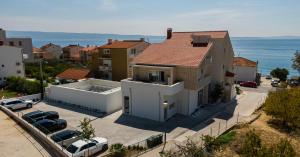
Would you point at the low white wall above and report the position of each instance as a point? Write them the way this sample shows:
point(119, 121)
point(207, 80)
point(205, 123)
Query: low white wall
point(30, 97)
point(245, 73)
point(106, 102)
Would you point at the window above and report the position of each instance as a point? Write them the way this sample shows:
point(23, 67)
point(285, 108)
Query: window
point(4, 78)
point(126, 104)
point(18, 63)
point(11, 43)
point(84, 147)
point(1, 43)
point(106, 51)
point(19, 72)
point(133, 52)
point(2, 65)
point(154, 76)
point(20, 43)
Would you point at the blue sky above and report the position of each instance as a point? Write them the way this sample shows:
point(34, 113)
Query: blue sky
point(152, 17)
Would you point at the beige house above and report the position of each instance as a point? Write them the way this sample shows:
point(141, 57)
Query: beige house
point(245, 70)
point(56, 50)
point(179, 74)
point(72, 53)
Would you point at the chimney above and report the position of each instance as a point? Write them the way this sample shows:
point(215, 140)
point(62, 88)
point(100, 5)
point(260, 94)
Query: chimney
point(169, 33)
point(109, 41)
point(142, 39)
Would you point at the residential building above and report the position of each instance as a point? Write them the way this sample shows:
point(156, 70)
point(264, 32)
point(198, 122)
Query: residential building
point(86, 53)
point(112, 60)
point(72, 53)
point(20, 42)
point(73, 74)
point(11, 62)
point(39, 54)
point(179, 75)
point(245, 69)
point(56, 50)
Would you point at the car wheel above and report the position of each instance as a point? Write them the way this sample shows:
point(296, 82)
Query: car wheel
point(29, 105)
point(105, 147)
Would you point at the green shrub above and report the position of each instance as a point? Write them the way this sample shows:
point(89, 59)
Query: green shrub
point(251, 145)
point(284, 149)
point(19, 84)
point(117, 150)
point(226, 138)
point(238, 90)
point(217, 92)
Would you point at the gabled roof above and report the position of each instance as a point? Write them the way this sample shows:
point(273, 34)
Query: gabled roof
point(122, 44)
point(74, 74)
point(89, 49)
point(48, 45)
point(240, 61)
point(178, 51)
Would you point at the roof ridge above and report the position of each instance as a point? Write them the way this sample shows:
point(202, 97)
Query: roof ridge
point(202, 31)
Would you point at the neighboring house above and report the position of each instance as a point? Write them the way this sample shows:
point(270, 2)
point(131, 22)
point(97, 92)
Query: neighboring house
point(40, 54)
point(112, 60)
point(73, 74)
point(244, 69)
point(11, 62)
point(86, 53)
point(72, 53)
point(24, 43)
point(56, 50)
point(179, 75)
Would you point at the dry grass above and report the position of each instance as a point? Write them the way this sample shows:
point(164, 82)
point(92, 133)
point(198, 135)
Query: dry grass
point(268, 134)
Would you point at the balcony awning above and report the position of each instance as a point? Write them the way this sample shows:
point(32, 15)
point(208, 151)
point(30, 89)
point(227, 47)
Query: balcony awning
point(229, 74)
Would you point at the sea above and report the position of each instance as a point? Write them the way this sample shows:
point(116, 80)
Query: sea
point(270, 52)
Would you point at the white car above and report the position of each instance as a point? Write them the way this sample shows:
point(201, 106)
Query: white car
point(85, 148)
point(14, 104)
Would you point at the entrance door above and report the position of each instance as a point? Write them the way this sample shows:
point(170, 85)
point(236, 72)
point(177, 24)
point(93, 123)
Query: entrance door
point(200, 97)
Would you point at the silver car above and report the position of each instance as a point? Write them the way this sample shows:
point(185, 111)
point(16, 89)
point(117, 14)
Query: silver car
point(14, 104)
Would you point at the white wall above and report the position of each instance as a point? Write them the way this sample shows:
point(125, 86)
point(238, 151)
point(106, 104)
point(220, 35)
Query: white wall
point(9, 57)
point(243, 73)
point(106, 101)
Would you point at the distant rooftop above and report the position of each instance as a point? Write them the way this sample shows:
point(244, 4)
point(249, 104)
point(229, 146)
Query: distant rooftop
point(240, 61)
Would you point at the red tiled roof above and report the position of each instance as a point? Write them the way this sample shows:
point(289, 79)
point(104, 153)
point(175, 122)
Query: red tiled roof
point(178, 50)
point(74, 74)
point(240, 61)
point(47, 46)
point(71, 46)
point(121, 44)
point(36, 50)
point(89, 49)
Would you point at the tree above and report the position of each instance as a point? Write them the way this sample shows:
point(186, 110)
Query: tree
point(87, 130)
point(217, 92)
point(284, 105)
point(280, 73)
point(296, 61)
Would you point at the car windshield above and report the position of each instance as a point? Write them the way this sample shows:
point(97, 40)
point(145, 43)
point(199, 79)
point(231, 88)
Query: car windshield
point(72, 149)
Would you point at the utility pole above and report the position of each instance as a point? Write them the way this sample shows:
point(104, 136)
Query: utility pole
point(41, 80)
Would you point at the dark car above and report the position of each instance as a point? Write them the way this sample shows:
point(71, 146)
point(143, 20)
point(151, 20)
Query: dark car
point(40, 115)
point(48, 126)
point(66, 137)
point(249, 84)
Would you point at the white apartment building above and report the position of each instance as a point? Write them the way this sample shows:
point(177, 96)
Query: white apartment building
point(11, 62)
point(20, 42)
point(178, 75)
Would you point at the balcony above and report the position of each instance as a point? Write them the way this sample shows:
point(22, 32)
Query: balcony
point(105, 68)
point(154, 86)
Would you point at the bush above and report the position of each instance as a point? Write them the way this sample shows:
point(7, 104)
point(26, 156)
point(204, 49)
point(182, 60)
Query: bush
point(284, 105)
point(19, 84)
point(226, 138)
point(238, 90)
point(117, 150)
point(284, 149)
point(251, 145)
point(217, 92)
point(280, 73)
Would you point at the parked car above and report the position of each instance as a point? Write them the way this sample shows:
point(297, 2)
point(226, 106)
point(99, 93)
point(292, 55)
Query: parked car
point(249, 84)
point(48, 126)
point(275, 83)
point(40, 115)
point(14, 104)
point(268, 77)
point(66, 137)
point(88, 147)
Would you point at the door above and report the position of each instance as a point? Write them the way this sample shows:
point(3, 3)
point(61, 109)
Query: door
point(165, 113)
point(200, 97)
point(162, 76)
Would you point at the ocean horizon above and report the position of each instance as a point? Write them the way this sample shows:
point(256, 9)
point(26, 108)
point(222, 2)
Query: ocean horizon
point(270, 52)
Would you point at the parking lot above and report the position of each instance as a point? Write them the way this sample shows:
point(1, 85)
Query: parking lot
point(116, 127)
